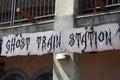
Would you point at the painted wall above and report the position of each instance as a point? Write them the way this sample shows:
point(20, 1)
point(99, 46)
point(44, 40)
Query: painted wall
point(100, 18)
point(27, 28)
point(100, 66)
point(28, 64)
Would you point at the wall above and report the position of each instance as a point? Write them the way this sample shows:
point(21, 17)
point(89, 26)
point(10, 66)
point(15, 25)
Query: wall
point(28, 64)
point(27, 28)
point(100, 18)
point(100, 66)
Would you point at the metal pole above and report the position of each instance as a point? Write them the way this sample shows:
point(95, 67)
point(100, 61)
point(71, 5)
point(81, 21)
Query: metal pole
point(80, 5)
point(13, 12)
point(94, 12)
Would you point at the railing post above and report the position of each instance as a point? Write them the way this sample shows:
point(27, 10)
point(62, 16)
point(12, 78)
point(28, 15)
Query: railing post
point(13, 12)
point(80, 6)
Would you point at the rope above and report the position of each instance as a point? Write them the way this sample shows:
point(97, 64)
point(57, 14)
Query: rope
point(94, 12)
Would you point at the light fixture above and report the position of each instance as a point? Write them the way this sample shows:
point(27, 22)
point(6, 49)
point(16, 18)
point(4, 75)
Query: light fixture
point(61, 56)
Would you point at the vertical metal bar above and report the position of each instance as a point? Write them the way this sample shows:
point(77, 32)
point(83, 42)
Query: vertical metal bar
point(80, 6)
point(9, 9)
point(48, 6)
point(11, 20)
point(29, 6)
point(1, 11)
point(18, 6)
point(2, 1)
point(40, 7)
point(13, 12)
point(22, 7)
point(94, 12)
point(116, 1)
point(52, 6)
point(6, 11)
point(32, 5)
point(36, 8)
point(44, 7)
point(25, 3)
point(112, 1)
point(91, 4)
point(86, 4)
point(106, 2)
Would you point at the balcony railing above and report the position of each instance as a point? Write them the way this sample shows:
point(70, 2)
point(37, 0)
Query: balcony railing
point(40, 9)
point(88, 5)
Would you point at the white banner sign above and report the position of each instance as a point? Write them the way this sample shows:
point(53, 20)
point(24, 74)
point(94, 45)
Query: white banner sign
point(103, 37)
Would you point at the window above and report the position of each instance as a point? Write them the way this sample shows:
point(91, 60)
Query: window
point(15, 75)
point(43, 75)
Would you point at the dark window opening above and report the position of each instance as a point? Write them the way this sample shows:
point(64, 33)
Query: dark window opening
point(43, 75)
point(15, 75)
point(46, 76)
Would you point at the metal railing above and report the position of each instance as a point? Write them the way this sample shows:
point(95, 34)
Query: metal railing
point(40, 9)
point(88, 5)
